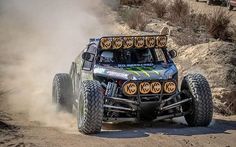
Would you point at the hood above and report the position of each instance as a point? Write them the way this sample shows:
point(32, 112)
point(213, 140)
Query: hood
point(136, 73)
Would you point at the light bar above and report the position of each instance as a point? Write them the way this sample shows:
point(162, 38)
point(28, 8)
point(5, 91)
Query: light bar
point(136, 42)
point(128, 42)
point(117, 43)
point(105, 43)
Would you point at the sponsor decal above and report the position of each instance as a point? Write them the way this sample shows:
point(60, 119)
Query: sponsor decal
point(169, 87)
point(144, 87)
point(139, 42)
point(133, 71)
point(161, 41)
point(135, 65)
point(117, 43)
point(155, 87)
point(142, 70)
point(105, 43)
point(150, 42)
point(156, 72)
point(130, 88)
point(128, 42)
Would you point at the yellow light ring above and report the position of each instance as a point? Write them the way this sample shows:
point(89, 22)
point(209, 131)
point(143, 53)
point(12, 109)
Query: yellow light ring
point(139, 42)
point(117, 43)
point(155, 87)
point(128, 42)
point(105, 43)
point(150, 42)
point(161, 41)
point(144, 87)
point(170, 87)
point(130, 88)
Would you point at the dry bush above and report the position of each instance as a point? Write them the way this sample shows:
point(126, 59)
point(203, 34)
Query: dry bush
point(219, 25)
point(134, 19)
point(178, 10)
point(132, 2)
point(159, 7)
point(188, 36)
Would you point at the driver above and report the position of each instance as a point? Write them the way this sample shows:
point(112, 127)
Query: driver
point(106, 57)
point(143, 56)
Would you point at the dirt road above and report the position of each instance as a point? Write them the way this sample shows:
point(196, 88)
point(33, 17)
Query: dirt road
point(202, 7)
point(221, 133)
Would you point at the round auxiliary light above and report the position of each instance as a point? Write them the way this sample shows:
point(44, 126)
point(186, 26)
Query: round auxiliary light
point(139, 42)
point(130, 88)
point(161, 41)
point(169, 87)
point(144, 87)
point(105, 43)
point(150, 42)
point(156, 87)
point(117, 43)
point(128, 42)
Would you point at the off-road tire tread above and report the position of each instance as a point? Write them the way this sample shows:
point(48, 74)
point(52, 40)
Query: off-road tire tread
point(202, 105)
point(63, 83)
point(93, 103)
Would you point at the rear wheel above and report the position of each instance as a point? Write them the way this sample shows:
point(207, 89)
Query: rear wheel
point(201, 106)
point(90, 108)
point(62, 94)
point(209, 2)
point(229, 6)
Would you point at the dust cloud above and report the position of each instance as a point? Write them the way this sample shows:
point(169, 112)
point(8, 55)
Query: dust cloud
point(39, 39)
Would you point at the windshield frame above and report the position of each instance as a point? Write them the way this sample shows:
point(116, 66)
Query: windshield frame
point(152, 50)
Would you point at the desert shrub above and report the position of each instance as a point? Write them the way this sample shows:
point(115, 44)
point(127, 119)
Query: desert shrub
point(159, 7)
point(219, 24)
point(178, 10)
point(188, 36)
point(132, 2)
point(134, 18)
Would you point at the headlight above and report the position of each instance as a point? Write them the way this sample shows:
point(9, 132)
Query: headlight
point(105, 43)
point(130, 88)
point(150, 42)
point(128, 42)
point(144, 87)
point(139, 42)
point(155, 87)
point(161, 41)
point(169, 87)
point(117, 43)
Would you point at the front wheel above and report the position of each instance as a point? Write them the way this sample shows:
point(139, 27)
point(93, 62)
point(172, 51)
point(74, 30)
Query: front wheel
point(201, 106)
point(90, 107)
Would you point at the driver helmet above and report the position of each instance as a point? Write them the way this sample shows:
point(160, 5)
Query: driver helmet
point(106, 57)
point(144, 56)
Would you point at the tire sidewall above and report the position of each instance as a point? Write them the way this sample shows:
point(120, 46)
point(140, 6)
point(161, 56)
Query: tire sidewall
point(201, 106)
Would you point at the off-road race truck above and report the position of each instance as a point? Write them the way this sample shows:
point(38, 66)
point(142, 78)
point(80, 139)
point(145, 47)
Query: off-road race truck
point(130, 78)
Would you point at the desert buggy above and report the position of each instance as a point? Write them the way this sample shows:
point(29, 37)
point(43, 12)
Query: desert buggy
point(130, 78)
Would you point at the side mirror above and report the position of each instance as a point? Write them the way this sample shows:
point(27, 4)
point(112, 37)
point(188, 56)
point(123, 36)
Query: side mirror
point(173, 53)
point(88, 56)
